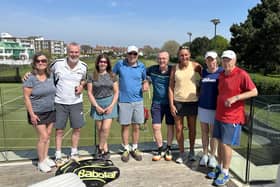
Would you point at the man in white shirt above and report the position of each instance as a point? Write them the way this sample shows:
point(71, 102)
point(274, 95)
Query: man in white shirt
point(70, 78)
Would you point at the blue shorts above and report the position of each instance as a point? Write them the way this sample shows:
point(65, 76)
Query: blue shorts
point(158, 111)
point(227, 133)
point(131, 113)
point(104, 102)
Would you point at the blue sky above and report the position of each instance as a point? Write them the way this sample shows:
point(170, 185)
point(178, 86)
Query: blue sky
point(121, 22)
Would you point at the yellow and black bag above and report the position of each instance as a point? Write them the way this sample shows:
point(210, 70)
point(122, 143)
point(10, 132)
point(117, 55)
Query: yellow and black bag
point(93, 172)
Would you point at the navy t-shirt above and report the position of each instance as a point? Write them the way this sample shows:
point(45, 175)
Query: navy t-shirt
point(209, 89)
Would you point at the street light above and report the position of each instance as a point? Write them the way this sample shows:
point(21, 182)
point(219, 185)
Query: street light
point(190, 37)
point(215, 21)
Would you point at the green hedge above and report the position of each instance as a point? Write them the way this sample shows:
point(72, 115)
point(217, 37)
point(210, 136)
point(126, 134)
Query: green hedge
point(266, 85)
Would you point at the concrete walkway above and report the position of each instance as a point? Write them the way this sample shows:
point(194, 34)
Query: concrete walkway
point(134, 173)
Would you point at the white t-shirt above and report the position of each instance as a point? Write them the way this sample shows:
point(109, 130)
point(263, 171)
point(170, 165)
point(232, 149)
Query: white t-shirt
point(66, 79)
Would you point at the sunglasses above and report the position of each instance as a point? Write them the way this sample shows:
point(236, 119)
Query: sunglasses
point(183, 47)
point(43, 61)
point(103, 61)
point(131, 53)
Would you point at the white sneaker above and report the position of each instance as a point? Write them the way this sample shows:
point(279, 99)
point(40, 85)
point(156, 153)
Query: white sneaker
point(43, 167)
point(50, 162)
point(204, 160)
point(212, 162)
point(74, 156)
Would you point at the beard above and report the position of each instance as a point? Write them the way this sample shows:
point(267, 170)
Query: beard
point(73, 60)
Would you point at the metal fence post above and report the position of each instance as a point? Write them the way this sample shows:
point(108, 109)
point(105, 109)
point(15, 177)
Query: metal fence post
point(249, 143)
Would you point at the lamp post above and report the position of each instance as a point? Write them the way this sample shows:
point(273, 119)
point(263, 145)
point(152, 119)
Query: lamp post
point(215, 21)
point(190, 37)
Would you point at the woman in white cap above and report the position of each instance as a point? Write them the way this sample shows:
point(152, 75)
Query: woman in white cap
point(207, 107)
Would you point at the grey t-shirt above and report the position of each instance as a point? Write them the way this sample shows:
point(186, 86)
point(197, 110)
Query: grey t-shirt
point(42, 95)
point(103, 87)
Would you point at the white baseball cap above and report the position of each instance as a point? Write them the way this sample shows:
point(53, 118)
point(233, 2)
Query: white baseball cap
point(229, 54)
point(211, 54)
point(132, 48)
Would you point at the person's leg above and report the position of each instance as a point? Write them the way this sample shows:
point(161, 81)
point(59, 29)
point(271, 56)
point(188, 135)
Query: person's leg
point(76, 121)
point(42, 141)
point(179, 133)
point(105, 131)
point(204, 137)
point(213, 142)
point(170, 134)
point(98, 124)
point(157, 134)
point(135, 133)
point(75, 138)
point(49, 132)
point(62, 114)
point(192, 130)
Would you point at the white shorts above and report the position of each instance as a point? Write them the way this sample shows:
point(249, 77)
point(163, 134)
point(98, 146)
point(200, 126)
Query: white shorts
point(206, 115)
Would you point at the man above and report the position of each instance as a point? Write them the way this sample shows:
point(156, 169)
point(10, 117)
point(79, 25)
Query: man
point(234, 87)
point(132, 83)
point(70, 79)
point(159, 76)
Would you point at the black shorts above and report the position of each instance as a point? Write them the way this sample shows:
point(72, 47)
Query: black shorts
point(186, 108)
point(45, 117)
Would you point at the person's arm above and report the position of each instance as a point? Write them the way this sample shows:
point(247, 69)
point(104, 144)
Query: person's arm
point(109, 109)
point(26, 94)
point(92, 100)
point(145, 82)
point(242, 96)
point(171, 91)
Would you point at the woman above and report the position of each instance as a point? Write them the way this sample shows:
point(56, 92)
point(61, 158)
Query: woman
point(207, 107)
point(103, 94)
point(183, 99)
point(39, 91)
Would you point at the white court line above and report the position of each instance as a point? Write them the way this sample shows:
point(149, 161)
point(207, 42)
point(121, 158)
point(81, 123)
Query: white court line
point(9, 90)
point(12, 100)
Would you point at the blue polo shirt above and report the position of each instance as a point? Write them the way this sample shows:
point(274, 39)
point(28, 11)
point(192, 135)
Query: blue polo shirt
point(130, 80)
point(160, 83)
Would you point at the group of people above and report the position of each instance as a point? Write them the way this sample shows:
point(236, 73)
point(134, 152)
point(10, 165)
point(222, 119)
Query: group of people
point(53, 93)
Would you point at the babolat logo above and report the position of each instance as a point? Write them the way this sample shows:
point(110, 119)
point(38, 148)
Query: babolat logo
point(83, 173)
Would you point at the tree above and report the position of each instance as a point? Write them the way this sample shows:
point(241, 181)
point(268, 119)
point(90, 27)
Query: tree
point(171, 47)
point(219, 44)
point(257, 40)
point(199, 46)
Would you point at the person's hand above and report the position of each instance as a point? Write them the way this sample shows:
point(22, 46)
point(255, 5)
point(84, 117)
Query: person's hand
point(109, 109)
point(173, 110)
point(145, 86)
point(25, 76)
point(34, 119)
point(99, 110)
point(231, 100)
point(79, 89)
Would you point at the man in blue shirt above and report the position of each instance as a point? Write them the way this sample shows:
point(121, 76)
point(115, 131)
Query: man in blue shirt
point(132, 83)
point(159, 76)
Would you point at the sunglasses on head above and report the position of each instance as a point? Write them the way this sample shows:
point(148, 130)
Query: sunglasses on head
point(43, 61)
point(133, 53)
point(183, 47)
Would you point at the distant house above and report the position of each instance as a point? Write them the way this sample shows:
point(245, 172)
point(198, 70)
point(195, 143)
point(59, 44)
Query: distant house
point(14, 50)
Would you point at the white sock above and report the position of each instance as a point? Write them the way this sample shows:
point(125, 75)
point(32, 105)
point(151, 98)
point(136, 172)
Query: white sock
point(74, 151)
point(225, 171)
point(126, 147)
point(58, 154)
point(134, 146)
